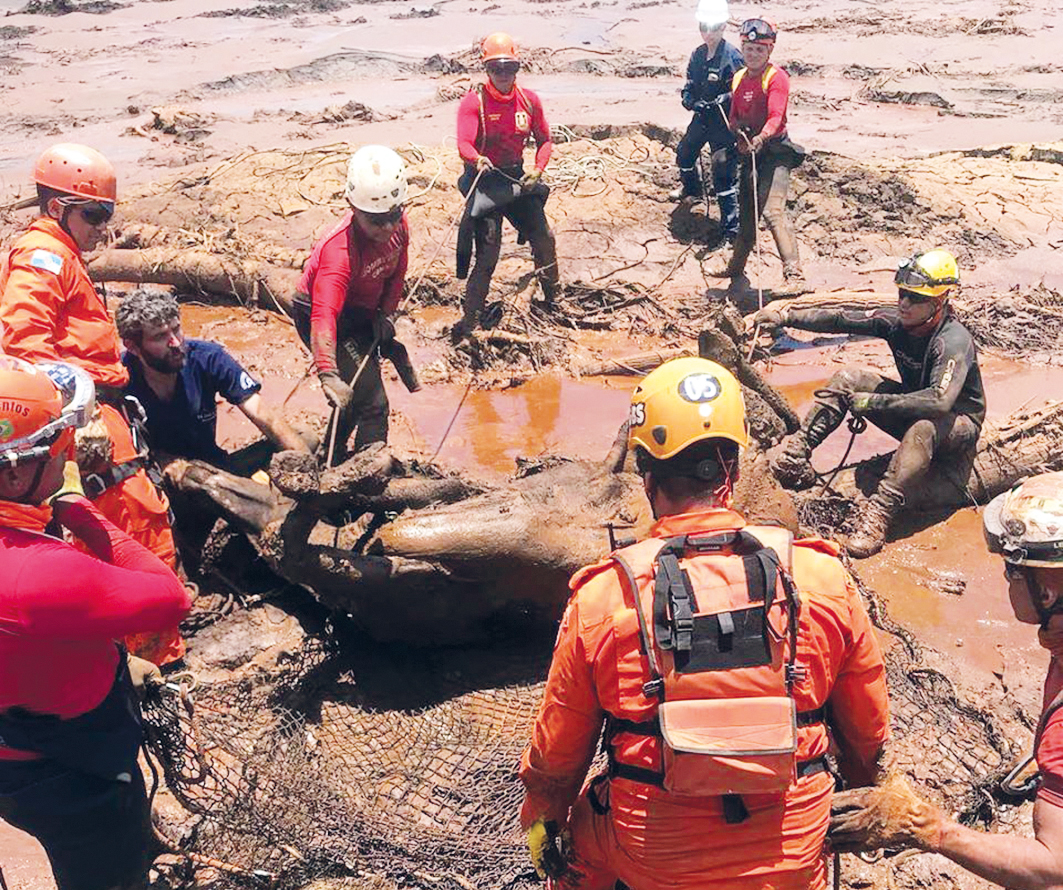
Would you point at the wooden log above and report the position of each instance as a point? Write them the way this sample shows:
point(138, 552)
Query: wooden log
point(834, 300)
point(1023, 444)
point(631, 365)
point(252, 283)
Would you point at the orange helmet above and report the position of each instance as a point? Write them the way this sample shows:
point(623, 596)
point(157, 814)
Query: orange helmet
point(40, 406)
point(498, 46)
point(76, 170)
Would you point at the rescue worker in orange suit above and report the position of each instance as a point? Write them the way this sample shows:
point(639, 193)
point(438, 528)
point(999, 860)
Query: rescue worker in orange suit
point(494, 121)
point(351, 286)
point(711, 653)
point(1025, 526)
point(69, 721)
point(935, 410)
point(760, 95)
point(51, 311)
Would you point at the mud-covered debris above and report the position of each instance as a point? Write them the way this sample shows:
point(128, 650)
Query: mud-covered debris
point(337, 114)
point(952, 583)
point(12, 32)
point(280, 10)
point(65, 7)
point(417, 12)
point(1022, 323)
point(903, 97)
point(187, 126)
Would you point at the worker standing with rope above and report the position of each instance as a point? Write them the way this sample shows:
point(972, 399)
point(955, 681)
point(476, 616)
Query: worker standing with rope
point(1025, 526)
point(69, 720)
point(760, 95)
point(936, 409)
point(707, 93)
point(495, 119)
point(712, 654)
point(351, 286)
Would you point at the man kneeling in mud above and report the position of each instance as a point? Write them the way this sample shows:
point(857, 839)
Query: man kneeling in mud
point(936, 409)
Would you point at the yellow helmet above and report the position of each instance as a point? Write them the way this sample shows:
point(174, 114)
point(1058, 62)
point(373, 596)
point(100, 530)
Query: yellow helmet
point(685, 401)
point(932, 274)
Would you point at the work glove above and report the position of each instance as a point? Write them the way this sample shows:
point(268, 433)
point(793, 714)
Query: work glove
point(484, 163)
point(143, 673)
point(71, 483)
point(383, 328)
point(545, 847)
point(688, 101)
point(702, 107)
point(93, 447)
point(337, 391)
point(888, 815)
point(860, 402)
point(770, 319)
point(750, 144)
point(531, 179)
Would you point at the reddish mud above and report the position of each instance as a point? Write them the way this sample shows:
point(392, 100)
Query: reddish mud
point(23, 862)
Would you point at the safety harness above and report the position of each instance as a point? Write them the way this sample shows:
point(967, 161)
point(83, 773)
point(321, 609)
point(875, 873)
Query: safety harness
point(716, 742)
point(95, 484)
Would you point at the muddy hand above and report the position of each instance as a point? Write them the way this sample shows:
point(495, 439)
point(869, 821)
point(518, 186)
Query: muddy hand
point(888, 815)
point(770, 320)
point(338, 393)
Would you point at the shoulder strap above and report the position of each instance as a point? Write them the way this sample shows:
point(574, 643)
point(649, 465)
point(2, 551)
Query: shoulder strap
point(737, 79)
point(1047, 715)
point(768, 76)
point(655, 687)
point(481, 139)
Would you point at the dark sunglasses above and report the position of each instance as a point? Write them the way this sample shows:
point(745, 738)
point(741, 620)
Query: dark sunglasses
point(96, 214)
point(388, 218)
point(502, 66)
point(757, 29)
point(912, 297)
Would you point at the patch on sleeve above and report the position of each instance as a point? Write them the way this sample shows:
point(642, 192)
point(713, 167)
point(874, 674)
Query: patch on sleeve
point(45, 259)
point(247, 381)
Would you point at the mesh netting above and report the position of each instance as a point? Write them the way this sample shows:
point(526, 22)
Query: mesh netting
point(399, 766)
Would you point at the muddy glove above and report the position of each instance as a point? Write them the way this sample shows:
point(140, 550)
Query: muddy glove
point(889, 815)
point(544, 845)
point(531, 179)
point(702, 107)
point(484, 163)
point(860, 402)
point(143, 673)
point(93, 446)
point(383, 328)
point(770, 319)
point(338, 393)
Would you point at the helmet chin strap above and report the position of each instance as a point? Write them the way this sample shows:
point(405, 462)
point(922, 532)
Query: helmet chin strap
point(25, 497)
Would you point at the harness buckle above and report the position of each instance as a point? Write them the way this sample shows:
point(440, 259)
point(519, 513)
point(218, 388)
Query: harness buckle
point(94, 485)
point(796, 673)
point(653, 688)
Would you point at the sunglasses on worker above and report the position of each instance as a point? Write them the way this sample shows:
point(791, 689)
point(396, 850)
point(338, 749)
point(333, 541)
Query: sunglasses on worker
point(387, 218)
point(502, 66)
point(912, 297)
point(757, 29)
point(96, 213)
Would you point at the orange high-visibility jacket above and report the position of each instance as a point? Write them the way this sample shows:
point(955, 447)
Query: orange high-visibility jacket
point(598, 671)
point(50, 310)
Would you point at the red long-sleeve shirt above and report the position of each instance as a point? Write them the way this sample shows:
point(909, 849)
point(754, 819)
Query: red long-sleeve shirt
point(497, 125)
point(349, 269)
point(61, 611)
point(758, 104)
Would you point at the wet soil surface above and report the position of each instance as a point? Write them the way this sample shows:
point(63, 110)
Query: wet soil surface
point(925, 123)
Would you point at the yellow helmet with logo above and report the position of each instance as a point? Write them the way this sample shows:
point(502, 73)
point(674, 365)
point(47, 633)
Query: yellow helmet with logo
point(684, 401)
point(932, 274)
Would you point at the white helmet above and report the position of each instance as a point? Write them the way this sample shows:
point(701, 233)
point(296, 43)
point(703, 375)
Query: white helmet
point(376, 179)
point(712, 13)
point(1025, 524)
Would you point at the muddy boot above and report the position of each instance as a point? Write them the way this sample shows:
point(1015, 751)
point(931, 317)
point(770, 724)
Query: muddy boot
point(793, 468)
point(875, 522)
point(691, 188)
point(794, 284)
point(544, 251)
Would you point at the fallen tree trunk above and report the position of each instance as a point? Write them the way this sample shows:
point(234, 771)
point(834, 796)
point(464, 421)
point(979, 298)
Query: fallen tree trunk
point(252, 283)
point(631, 365)
point(1023, 444)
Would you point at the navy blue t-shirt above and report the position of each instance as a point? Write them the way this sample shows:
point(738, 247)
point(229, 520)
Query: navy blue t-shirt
point(187, 426)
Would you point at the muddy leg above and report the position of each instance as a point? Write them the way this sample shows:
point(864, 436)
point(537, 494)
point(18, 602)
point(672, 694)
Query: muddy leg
point(369, 407)
point(488, 247)
point(544, 251)
point(776, 182)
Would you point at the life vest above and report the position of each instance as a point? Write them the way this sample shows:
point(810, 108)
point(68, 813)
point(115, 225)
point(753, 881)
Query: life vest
point(722, 658)
point(766, 77)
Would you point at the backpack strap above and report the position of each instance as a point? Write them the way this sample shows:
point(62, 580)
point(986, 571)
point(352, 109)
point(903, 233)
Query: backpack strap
point(654, 688)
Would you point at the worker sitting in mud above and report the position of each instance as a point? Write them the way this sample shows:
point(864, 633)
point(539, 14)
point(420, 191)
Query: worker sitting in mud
point(707, 93)
point(760, 94)
point(351, 285)
point(494, 121)
point(178, 380)
point(685, 644)
point(69, 721)
point(1025, 526)
point(50, 311)
point(936, 409)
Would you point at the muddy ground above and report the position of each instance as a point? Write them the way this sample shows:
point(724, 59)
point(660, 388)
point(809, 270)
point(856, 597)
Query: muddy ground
point(925, 123)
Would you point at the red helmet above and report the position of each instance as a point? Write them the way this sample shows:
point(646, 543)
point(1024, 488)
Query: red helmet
point(759, 30)
point(40, 406)
point(498, 46)
point(76, 170)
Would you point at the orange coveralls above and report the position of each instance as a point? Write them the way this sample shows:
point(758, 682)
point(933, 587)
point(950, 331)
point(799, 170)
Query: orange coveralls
point(50, 311)
point(647, 837)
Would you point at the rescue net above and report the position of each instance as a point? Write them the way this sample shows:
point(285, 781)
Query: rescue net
point(398, 767)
